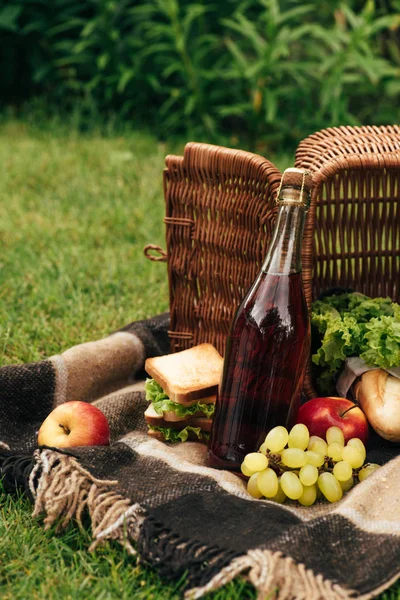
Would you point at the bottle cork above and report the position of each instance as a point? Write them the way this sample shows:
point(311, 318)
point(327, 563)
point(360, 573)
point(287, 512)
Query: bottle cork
point(295, 187)
point(297, 178)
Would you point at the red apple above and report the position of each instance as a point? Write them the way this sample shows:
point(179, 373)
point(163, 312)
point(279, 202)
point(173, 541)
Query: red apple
point(74, 424)
point(321, 413)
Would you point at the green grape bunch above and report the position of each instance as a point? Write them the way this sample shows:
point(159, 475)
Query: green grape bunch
point(299, 467)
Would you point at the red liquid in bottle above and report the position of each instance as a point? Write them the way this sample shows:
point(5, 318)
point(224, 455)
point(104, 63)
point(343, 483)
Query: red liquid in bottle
point(264, 367)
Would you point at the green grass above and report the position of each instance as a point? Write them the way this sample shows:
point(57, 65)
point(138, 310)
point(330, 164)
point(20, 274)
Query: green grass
point(76, 213)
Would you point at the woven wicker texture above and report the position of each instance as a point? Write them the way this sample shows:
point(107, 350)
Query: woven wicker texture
point(328, 144)
point(352, 235)
point(354, 223)
point(219, 216)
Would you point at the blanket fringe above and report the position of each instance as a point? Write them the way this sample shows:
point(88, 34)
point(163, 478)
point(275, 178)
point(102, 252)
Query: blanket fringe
point(275, 577)
point(62, 489)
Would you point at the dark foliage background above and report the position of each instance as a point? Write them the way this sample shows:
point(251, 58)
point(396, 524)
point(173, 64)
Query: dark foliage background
point(269, 71)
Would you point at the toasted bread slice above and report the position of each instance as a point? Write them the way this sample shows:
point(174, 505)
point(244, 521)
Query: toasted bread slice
point(209, 400)
point(189, 375)
point(158, 435)
point(152, 418)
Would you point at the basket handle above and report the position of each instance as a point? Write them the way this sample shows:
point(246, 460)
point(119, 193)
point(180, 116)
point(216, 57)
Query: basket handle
point(163, 255)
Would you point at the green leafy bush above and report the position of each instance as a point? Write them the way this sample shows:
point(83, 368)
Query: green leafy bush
point(272, 71)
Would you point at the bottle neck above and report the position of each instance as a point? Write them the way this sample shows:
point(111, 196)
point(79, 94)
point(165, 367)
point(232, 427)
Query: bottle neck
point(284, 253)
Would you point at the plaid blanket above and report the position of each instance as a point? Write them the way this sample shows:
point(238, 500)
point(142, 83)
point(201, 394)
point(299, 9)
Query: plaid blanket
point(161, 501)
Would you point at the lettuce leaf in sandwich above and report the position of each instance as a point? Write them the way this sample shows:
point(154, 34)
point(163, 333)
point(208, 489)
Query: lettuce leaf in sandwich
point(162, 403)
point(180, 435)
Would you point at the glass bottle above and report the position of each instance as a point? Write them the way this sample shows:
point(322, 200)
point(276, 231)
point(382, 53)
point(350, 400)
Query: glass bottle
point(268, 344)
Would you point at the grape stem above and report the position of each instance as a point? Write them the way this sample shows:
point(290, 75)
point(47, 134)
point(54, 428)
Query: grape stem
point(327, 466)
point(356, 471)
point(275, 463)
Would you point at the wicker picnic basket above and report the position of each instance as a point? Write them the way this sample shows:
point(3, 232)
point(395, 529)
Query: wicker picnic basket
point(353, 227)
point(220, 209)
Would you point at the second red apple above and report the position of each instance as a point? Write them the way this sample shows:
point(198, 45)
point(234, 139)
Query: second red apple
point(319, 414)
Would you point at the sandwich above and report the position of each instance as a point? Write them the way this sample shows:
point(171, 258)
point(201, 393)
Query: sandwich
point(182, 393)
